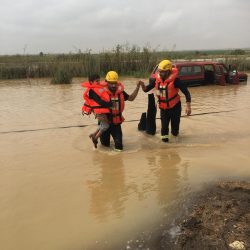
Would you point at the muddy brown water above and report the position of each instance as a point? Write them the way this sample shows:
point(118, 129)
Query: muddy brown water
point(57, 192)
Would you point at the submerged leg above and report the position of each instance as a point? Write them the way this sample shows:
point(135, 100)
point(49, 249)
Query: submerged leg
point(165, 119)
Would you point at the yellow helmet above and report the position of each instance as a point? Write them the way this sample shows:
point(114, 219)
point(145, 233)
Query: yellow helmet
point(165, 65)
point(111, 76)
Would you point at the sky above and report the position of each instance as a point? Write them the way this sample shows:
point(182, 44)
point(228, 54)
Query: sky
point(53, 26)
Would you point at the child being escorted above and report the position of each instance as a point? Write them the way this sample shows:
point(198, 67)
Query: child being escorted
point(97, 101)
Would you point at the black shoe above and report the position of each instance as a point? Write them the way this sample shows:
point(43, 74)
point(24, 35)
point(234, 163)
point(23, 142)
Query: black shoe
point(165, 140)
point(142, 123)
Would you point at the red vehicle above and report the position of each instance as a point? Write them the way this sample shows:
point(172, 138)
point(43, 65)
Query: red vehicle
point(201, 73)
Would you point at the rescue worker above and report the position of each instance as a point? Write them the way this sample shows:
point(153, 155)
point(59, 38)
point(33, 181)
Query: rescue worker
point(118, 97)
point(97, 101)
point(168, 85)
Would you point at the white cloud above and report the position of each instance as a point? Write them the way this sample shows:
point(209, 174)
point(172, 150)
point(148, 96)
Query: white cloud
point(167, 20)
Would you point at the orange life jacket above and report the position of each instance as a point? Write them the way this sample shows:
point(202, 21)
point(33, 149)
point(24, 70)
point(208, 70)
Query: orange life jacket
point(89, 104)
point(167, 94)
point(117, 99)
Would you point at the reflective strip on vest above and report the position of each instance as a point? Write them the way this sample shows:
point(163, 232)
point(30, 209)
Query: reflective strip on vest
point(165, 137)
point(166, 90)
point(162, 91)
point(100, 90)
point(117, 99)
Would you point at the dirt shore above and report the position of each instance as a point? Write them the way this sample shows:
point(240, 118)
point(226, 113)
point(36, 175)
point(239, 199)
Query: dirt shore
point(217, 218)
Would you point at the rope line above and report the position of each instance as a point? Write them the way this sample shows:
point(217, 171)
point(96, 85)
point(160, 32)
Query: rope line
point(82, 126)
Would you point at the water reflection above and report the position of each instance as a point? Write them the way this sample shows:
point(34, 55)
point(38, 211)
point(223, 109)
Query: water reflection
point(167, 176)
point(109, 191)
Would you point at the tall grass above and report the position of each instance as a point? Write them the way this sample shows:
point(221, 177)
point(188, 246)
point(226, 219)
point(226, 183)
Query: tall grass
point(242, 63)
point(62, 76)
point(125, 59)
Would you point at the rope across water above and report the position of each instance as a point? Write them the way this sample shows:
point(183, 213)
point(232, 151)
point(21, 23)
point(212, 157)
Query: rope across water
point(81, 126)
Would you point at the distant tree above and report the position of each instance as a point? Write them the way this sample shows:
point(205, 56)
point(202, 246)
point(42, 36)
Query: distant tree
point(238, 52)
point(41, 53)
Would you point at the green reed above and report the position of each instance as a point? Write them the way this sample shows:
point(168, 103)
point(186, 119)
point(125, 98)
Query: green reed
point(62, 75)
point(125, 59)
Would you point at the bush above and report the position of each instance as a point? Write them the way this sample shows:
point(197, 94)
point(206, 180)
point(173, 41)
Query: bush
point(62, 76)
point(238, 52)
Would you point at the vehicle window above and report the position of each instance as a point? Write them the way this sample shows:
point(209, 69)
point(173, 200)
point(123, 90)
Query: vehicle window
point(208, 67)
point(217, 70)
point(185, 71)
point(196, 70)
point(224, 69)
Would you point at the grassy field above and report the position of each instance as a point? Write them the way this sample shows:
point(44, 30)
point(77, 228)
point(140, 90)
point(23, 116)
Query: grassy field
point(134, 61)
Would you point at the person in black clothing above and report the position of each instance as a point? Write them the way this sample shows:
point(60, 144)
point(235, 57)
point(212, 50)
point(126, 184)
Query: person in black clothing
point(118, 98)
point(168, 85)
point(148, 119)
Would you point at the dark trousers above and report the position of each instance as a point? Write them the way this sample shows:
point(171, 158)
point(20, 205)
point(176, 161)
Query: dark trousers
point(148, 120)
point(172, 115)
point(151, 115)
point(116, 132)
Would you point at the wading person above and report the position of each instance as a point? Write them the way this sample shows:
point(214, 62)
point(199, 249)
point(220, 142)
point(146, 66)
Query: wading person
point(118, 97)
point(167, 85)
point(97, 101)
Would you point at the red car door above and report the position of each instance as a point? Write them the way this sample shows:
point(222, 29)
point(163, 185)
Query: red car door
point(219, 75)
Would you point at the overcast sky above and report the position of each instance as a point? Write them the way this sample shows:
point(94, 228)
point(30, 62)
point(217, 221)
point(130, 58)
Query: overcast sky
point(54, 26)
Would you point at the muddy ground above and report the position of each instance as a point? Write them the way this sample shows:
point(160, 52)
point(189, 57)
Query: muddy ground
point(217, 218)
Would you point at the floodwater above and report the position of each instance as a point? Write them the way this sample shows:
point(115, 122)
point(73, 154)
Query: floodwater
point(57, 192)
